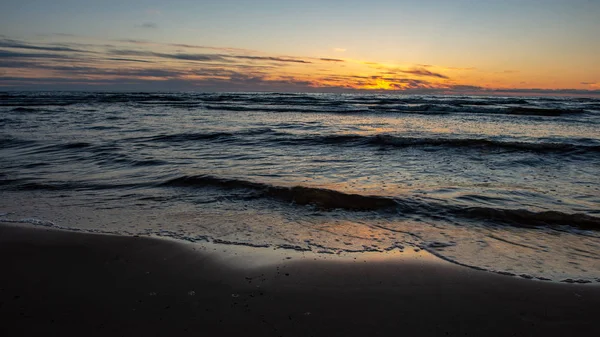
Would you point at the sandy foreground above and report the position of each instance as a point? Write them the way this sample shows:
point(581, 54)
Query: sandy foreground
point(57, 283)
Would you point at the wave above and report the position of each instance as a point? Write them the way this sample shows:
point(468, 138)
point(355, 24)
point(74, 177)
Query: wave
point(314, 103)
point(542, 111)
point(195, 136)
point(429, 108)
point(287, 108)
point(327, 199)
point(8, 141)
point(22, 109)
point(542, 147)
point(526, 218)
point(386, 140)
point(322, 198)
point(382, 140)
point(270, 136)
point(443, 107)
point(29, 185)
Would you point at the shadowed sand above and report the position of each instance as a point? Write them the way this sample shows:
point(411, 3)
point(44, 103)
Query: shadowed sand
point(74, 284)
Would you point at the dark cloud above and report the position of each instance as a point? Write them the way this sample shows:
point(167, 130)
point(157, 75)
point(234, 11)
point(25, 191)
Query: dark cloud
point(12, 63)
point(84, 69)
point(222, 49)
point(183, 45)
point(201, 57)
point(149, 25)
point(270, 58)
point(128, 60)
point(466, 88)
point(228, 80)
point(423, 72)
point(134, 41)
point(178, 56)
point(76, 67)
point(121, 84)
point(11, 54)
point(127, 72)
point(194, 57)
point(236, 83)
point(64, 34)
point(14, 44)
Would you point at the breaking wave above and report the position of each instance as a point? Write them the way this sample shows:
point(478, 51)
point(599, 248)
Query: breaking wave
point(330, 199)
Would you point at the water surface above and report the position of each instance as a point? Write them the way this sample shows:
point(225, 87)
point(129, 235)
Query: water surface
point(508, 184)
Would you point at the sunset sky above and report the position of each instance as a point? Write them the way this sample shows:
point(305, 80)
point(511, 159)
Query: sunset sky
point(462, 46)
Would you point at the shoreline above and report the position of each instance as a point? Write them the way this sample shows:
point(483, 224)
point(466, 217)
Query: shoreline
point(73, 283)
point(268, 254)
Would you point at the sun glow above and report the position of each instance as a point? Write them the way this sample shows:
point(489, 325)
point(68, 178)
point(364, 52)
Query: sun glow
point(380, 84)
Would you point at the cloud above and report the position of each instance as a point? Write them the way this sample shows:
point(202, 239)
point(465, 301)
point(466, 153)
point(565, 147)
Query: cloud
point(414, 71)
point(202, 57)
point(149, 25)
point(135, 41)
point(177, 56)
point(12, 63)
point(128, 60)
point(56, 34)
point(270, 58)
point(11, 54)
point(145, 65)
point(14, 44)
point(423, 72)
point(219, 80)
point(339, 50)
point(193, 57)
point(184, 45)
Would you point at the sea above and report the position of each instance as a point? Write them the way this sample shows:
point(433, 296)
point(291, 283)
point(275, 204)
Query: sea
point(505, 184)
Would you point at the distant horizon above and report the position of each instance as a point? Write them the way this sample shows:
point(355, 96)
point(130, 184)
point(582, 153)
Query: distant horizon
point(533, 93)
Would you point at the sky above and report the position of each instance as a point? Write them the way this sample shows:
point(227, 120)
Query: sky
point(426, 46)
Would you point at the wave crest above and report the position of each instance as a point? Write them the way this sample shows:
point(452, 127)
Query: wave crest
point(330, 199)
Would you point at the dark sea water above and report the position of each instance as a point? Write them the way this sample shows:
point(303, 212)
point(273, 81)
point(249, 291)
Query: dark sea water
point(507, 184)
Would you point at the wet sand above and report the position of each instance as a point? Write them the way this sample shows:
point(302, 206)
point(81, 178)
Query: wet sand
point(73, 284)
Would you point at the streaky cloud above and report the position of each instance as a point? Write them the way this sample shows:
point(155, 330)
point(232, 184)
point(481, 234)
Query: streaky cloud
point(178, 56)
point(203, 57)
point(128, 60)
point(11, 54)
point(135, 41)
point(223, 49)
point(270, 58)
point(184, 45)
point(14, 44)
point(149, 25)
point(424, 72)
